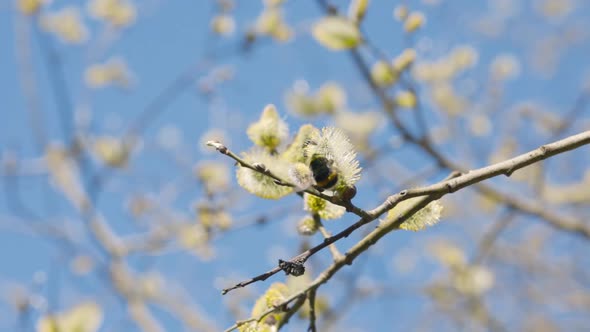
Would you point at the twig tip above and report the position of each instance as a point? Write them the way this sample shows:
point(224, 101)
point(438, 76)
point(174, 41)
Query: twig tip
point(218, 146)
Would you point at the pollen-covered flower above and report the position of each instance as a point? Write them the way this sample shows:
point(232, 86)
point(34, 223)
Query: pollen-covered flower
point(270, 130)
point(323, 208)
point(427, 216)
point(260, 184)
point(334, 147)
point(295, 151)
point(274, 296)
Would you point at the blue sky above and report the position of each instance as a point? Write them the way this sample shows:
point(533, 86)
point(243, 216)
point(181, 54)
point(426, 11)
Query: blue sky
point(171, 37)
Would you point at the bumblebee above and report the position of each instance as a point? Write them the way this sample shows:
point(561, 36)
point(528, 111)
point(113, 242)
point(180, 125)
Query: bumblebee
point(323, 171)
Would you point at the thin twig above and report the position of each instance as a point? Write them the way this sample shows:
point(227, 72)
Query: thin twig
point(489, 238)
point(59, 85)
point(326, 234)
point(312, 318)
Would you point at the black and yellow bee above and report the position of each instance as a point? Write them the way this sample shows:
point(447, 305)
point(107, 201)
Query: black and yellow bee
point(323, 170)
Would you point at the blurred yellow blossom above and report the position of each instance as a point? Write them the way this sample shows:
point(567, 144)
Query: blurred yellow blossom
point(112, 151)
point(473, 280)
point(337, 33)
point(114, 71)
point(448, 254)
point(271, 23)
point(223, 25)
point(505, 149)
point(383, 74)
point(84, 317)
point(359, 126)
point(445, 97)
point(328, 99)
point(404, 60)
point(323, 208)
point(406, 99)
point(445, 68)
point(434, 71)
point(270, 130)
point(29, 7)
point(414, 21)
point(400, 12)
point(480, 125)
point(555, 9)
point(211, 218)
point(271, 3)
point(464, 57)
point(576, 192)
point(214, 175)
point(505, 67)
point(357, 10)
point(66, 24)
point(118, 13)
point(195, 238)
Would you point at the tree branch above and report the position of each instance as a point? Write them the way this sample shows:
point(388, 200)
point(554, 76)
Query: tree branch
point(453, 183)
